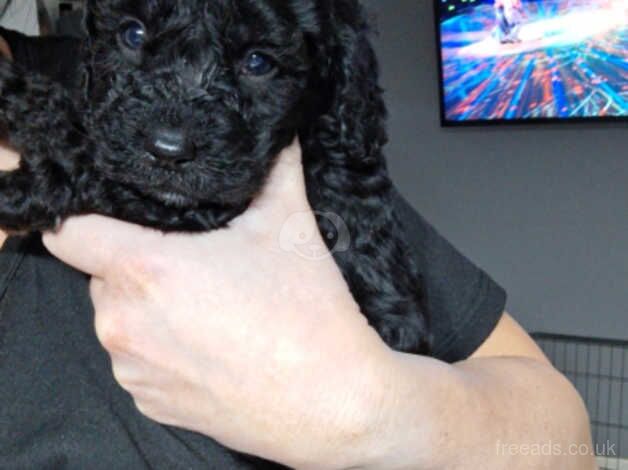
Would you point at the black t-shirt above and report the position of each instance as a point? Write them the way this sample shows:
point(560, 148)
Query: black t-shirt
point(62, 409)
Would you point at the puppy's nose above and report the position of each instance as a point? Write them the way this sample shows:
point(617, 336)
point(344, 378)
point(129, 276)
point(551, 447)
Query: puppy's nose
point(170, 144)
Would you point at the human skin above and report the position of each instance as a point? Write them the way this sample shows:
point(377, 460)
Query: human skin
point(266, 351)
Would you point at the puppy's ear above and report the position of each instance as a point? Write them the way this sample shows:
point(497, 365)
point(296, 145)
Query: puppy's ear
point(352, 118)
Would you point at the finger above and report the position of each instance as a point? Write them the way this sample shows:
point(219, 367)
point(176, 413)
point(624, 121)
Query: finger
point(89, 243)
point(283, 194)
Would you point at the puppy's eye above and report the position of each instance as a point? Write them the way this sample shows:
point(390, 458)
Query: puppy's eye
point(257, 64)
point(133, 34)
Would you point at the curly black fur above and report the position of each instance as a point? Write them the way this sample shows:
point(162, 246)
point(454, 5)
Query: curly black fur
point(85, 150)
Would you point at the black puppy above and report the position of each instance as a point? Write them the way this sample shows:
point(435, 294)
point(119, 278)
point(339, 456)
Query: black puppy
point(184, 106)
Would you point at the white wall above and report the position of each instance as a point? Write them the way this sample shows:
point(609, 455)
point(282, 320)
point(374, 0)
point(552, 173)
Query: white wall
point(53, 9)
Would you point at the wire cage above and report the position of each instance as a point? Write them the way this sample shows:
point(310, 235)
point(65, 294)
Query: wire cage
point(598, 368)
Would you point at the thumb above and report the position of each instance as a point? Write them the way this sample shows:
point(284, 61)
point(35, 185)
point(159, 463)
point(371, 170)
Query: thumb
point(89, 243)
point(286, 183)
point(282, 196)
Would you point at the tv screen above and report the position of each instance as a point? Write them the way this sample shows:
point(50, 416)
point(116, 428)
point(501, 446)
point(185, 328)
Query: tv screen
point(526, 60)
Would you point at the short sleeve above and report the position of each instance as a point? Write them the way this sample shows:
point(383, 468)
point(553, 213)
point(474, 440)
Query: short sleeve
point(463, 302)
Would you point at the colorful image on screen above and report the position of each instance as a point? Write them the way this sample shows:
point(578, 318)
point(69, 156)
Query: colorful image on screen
point(533, 59)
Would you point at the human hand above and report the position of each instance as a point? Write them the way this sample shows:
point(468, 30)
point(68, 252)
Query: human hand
point(230, 334)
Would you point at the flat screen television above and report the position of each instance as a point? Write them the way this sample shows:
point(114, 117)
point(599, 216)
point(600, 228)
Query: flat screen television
point(532, 60)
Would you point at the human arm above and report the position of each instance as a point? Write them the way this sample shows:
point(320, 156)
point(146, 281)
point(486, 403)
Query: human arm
point(265, 351)
point(500, 409)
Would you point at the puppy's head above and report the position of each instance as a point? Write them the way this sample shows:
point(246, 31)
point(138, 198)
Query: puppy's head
point(193, 99)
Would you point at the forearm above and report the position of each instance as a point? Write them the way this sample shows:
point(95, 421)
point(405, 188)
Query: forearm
point(490, 413)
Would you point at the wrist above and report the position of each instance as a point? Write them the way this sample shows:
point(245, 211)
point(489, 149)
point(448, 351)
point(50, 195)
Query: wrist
point(351, 435)
point(414, 414)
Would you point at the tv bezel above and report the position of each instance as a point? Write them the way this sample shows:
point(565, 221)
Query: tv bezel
point(445, 122)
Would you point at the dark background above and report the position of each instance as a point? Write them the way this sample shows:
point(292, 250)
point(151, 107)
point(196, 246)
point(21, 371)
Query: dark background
point(543, 208)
